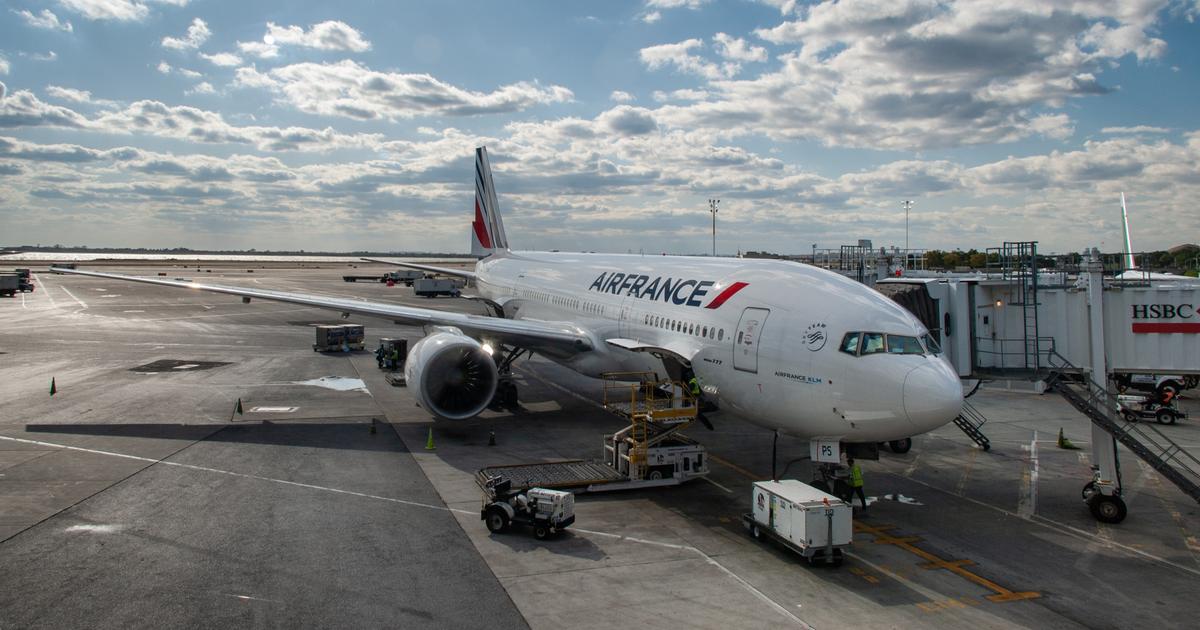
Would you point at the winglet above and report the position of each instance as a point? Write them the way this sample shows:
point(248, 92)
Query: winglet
point(487, 230)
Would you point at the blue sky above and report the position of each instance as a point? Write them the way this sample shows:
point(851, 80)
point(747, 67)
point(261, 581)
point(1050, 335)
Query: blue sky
point(336, 126)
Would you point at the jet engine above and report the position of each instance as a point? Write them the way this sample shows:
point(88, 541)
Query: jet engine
point(451, 374)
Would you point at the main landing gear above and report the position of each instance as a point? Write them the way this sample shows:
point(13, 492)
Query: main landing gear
point(506, 389)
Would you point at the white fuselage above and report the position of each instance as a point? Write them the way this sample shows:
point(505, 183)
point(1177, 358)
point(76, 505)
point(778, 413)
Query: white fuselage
point(764, 336)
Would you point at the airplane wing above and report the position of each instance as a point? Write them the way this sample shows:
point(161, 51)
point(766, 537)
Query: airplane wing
point(559, 339)
point(461, 273)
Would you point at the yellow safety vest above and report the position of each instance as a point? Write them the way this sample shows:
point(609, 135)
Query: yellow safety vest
point(856, 480)
point(694, 386)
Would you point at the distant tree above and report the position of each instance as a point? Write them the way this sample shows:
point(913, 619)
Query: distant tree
point(951, 260)
point(934, 259)
point(977, 260)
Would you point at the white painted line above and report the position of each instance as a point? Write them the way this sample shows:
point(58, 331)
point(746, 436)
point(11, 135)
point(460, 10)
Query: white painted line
point(133, 311)
point(273, 409)
point(23, 300)
point(45, 289)
point(81, 302)
point(717, 485)
point(754, 591)
point(1027, 504)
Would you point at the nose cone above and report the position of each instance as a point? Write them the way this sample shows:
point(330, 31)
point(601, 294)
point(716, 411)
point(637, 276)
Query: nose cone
point(932, 395)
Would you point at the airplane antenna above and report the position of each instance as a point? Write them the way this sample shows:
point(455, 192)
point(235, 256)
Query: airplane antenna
point(712, 207)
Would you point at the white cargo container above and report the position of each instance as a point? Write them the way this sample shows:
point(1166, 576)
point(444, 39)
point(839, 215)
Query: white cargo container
point(814, 524)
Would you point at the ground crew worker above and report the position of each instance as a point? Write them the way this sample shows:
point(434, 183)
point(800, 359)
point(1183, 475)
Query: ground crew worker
point(379, 356)
point(856, 484)
point(395, 357)
point(694, 387)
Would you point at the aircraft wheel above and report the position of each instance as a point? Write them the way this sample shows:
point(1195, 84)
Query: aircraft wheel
point(497, 521)
point(901, 446)
point(1107, 509)
point(510, 394)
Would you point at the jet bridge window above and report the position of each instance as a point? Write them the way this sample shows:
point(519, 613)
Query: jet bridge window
point(903, 344)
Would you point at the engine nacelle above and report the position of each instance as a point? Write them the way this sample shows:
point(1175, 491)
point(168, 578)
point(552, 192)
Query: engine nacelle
point(451, 374)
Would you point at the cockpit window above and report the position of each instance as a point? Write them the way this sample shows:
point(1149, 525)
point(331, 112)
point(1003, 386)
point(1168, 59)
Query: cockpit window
point(850, 343)
point(872, 343)
point(931, 345)
point(901, 344)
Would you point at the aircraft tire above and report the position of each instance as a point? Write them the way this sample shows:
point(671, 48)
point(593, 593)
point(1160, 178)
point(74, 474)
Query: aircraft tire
point(1107, 509)
point(901, 446)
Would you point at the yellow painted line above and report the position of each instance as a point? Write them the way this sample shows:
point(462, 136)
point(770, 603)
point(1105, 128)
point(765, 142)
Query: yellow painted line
point(735, 467)
point(1001, 594)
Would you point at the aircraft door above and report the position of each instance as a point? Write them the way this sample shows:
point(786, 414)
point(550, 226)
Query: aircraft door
point(745, 344)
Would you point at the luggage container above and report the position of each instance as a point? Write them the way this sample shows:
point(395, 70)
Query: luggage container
point(814, 524)
point(339, 338)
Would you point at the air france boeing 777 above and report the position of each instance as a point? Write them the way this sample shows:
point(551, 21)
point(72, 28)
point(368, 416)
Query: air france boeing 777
point(785, 345)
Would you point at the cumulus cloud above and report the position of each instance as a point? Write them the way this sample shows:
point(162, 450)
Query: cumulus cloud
point(119, 10)
point(620, 96)
point(225, 60)
point(204, 87)
point(328, 35)
point(680, 56)
point(676, 4)
point(651, 17)
point(45, 19)
point(197, 34)
point(913, 74)
point(76, 96)
point(23, 109)
point(736, 49)
point(1138, 129)
point(348, 89)
point(4, 66)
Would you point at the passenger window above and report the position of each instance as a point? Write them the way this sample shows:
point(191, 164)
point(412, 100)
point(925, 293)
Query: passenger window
point(850, 343)
point(902, 344)
point(704, 331)
point(721, 335)
point(872, 343)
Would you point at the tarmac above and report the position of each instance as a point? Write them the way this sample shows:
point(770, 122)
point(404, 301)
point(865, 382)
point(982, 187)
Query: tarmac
point(138, 496)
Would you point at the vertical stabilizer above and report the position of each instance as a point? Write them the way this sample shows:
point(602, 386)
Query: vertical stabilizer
point(1128, 243)
point(487, 230)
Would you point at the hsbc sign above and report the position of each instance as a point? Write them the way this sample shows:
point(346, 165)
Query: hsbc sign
point(1164, 318)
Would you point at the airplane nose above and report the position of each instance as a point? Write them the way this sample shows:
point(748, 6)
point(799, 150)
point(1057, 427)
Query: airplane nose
point(932, 396)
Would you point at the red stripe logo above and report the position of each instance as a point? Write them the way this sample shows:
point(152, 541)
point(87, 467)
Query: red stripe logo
point(480, 230)
point(726, 294)
point(1146, 327)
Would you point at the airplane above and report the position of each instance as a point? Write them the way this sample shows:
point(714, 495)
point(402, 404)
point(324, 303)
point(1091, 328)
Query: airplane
point(784, 345)
point(1132, 272)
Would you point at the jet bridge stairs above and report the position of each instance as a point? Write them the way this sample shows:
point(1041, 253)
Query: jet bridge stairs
point(1143, 439)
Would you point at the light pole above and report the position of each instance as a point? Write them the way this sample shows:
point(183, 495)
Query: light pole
point(712, 207)
point(907, 204)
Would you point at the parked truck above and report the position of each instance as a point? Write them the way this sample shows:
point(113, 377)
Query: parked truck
point(433, 287)
point(546, 511)
point(812, 523)
point(406, 276)
point(10, 283)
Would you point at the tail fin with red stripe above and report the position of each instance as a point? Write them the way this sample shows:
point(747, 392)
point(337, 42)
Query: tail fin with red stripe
point(487, 230)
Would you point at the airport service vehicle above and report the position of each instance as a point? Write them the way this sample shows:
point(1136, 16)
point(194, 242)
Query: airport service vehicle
point(10, 283)
point(1158, 383)
point(405, 276)
point(546, 511)
point(782, 344)
point(814, 524)
point(1136, 408)
point(433, 287)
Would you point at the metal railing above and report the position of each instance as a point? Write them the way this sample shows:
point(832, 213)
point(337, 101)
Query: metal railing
point(1045, 348)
